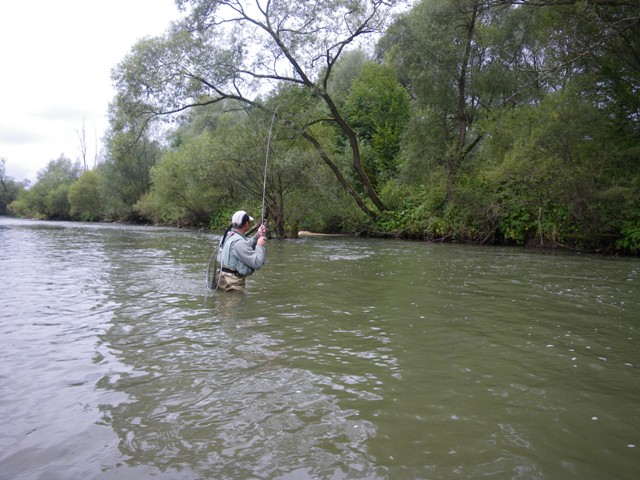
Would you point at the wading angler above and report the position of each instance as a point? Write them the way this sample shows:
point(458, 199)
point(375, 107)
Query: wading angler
point(237, 255)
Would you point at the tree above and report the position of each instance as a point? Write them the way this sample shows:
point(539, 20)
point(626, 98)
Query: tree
point(219, 162)
point(184, 187)
point(47, 198)
point(378, 109)
point(9, 188)
point(286, 160)
point(59, 172)
point(56, 202)
point(234, 49)
point(85, 201)
point(559, 174)
point(82, 145)
point(446, 54)
point(125, 173)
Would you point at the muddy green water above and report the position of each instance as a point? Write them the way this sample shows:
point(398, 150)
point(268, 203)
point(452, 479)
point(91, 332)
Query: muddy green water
point(346, 359)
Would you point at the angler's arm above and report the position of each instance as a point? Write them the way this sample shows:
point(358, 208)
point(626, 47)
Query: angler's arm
point(250, 253)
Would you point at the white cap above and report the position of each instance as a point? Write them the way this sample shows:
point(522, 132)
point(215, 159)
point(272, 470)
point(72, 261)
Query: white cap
point(240, 217)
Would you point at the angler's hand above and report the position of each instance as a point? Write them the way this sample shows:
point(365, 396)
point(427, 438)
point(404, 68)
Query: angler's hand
point(262, 231)
point(262, 241)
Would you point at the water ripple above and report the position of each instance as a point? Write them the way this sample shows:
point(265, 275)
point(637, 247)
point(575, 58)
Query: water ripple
point(345, 359)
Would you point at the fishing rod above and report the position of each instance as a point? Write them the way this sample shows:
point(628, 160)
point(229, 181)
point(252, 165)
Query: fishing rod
point(266, 164)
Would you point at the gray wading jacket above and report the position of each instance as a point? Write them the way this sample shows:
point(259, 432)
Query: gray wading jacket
point(241, 254)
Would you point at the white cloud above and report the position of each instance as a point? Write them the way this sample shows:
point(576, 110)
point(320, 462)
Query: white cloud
point(55, 72)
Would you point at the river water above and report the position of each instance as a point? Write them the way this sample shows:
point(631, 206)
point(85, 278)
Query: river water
point(345, 359)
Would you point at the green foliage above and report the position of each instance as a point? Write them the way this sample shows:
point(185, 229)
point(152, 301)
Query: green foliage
point(345, 73)
point(377, 107)
point(85, 202)
point(47, 198)
point(289, 45)
point(557, 175)
point(630, 235)
point(392, 221)
point(184, 184)
point(125, 174)
point(20, 208)
point(221, 219)
point(318, 204)
point(59, 172)
point(221, 169)
point(57, 202)
point(9, 189)
point(445, 52)
point(517, 225)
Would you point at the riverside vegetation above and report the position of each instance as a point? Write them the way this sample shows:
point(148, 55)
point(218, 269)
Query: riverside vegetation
point(483, 121)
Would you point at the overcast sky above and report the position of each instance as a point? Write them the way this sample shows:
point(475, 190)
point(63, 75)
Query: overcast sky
point(56, 58)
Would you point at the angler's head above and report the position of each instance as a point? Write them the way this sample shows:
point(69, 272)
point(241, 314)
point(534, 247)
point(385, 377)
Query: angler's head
point(241, 220)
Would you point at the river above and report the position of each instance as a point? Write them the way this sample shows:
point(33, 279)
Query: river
point(346, 358)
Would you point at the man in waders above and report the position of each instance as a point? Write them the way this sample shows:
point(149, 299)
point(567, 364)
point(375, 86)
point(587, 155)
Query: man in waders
point(239, 256)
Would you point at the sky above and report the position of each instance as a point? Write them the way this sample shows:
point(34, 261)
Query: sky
point(56, 58)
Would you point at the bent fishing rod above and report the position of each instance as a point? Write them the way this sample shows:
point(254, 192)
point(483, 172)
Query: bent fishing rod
point(264, 182)
point(266, 165)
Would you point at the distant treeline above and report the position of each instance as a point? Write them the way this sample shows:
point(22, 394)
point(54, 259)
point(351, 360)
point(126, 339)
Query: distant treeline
point(491, 122)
